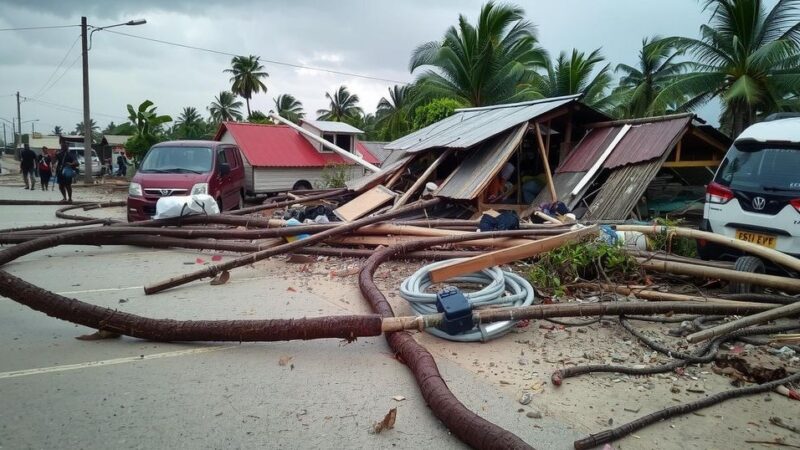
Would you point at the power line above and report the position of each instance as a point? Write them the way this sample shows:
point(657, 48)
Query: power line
point(68, 108)
point(42, 89)
point(72, 64)
point(38, 28)
point(269, 61)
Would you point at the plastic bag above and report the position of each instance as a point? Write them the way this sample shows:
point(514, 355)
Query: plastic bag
point(185, 205)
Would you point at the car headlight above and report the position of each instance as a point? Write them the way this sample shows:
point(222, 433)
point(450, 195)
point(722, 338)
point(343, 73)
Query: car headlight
point(135, 189)
point(200, 188)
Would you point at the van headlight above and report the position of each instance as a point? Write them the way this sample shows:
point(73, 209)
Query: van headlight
point(135, 189)
point(200, 188)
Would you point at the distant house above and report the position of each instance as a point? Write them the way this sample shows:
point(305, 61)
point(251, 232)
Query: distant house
point(51, 142)
point(279, 158)
point(113, 143)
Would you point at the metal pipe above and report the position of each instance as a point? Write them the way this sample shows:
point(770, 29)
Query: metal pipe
point(342, 152)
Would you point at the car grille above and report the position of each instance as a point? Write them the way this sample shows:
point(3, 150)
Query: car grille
point(772, 204)
point(158, 192)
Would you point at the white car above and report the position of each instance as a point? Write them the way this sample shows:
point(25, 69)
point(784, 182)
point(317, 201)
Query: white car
point(755, 195)
point(77, 152)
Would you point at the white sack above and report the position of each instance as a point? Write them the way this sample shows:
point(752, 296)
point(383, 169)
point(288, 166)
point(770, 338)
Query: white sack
point(185, 205)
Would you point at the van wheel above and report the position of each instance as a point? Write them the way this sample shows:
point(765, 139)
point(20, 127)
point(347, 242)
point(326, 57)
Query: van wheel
point(302, 185)
point(749, 264)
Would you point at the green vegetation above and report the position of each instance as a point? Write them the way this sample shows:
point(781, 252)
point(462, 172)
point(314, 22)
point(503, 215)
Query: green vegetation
point(289, 107)
point(334, 176)
point(149, 129)
point(225, 108)
point(343, 106)
point(681, 246)
point(588, 260)
point(246, 74)
point(434, 111)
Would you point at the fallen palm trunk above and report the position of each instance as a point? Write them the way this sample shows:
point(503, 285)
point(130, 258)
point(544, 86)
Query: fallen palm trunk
point(61, 213)
point(776, 313)
point(782, 283)
point(676, 258)
point(59, 226)
point(652, 295)
point(764, 252)
point(310, 198)
point(213, 270)
point(607, 436)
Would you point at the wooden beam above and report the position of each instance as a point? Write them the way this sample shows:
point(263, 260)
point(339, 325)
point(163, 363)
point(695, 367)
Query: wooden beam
point(702, 136)
point(399, 172)
point(674, 164)
point(508, 255)
point(640, 121)
point(422, 179)
point(550, 185)
point(678, 148)
point(364, 203)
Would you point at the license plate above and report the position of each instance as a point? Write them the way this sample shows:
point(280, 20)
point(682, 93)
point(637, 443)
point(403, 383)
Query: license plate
point(764, 240)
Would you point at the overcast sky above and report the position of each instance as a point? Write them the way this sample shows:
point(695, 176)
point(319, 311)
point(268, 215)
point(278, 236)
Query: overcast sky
point(373, 38)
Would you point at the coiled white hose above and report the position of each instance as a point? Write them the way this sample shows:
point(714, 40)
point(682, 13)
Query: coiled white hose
point(502, 289)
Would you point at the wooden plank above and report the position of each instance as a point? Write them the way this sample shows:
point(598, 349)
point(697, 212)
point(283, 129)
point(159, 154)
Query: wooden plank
point(550, 185)
point(708, 163)
point(508, 255)
point(364, 203)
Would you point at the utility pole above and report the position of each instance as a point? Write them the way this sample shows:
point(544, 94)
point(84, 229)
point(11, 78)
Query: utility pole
point(17, 141)
point(87, 121)
point(33, 130)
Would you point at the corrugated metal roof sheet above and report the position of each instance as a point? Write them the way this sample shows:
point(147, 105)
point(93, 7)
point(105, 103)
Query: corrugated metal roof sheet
point(377, 149)
point(647, 141)
point(467, 127)
point(371, 179)
point(472, 176)
point(622, 190)
point(281, 146)
point(588, 150)
point(332, 127)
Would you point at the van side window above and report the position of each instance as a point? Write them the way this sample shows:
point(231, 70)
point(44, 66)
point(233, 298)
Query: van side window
point(230, 156)
point(221, 157)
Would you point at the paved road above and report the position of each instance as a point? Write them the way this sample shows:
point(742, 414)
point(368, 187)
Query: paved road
point(59, 392)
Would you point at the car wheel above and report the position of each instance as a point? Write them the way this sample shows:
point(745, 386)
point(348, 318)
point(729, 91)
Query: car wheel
point(749, 264)
point(302, 186)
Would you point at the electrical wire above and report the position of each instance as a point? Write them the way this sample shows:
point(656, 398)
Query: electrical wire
point(67, 108)
point(269, 61)
point(38, 28)
point(501, 289)
point(42, 89)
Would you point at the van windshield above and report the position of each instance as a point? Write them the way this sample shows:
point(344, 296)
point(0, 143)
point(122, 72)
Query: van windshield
point(761, 169)
point(177, 160)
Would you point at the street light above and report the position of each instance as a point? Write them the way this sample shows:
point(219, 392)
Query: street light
point(87, 121)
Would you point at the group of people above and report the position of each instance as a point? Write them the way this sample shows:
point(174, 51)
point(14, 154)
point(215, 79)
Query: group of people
point(63, 165)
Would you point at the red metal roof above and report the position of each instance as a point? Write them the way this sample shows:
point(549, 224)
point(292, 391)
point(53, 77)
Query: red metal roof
point(282, 146)
point(642, 142)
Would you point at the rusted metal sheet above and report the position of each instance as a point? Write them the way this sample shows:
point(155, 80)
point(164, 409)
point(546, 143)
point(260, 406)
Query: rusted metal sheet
point(471, 126)
point(564, 183)
point(647, 141)
point(588, 150)
point(480, 165)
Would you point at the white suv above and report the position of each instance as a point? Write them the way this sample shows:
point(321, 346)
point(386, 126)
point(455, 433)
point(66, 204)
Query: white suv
point(755, 195)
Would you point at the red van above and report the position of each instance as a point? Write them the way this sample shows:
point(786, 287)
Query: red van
point(186, 168)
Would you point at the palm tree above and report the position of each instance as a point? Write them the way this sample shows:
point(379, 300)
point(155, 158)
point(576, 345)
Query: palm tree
point(95, 129)
point(58, 131)
point(484, 64)
point(246, 77)
point(343, 105)
point(747, 56)
point(190, 125)
point(289, 107)
point(225, 108)
point(392, 115)
point(639, 86)
point(574, 74)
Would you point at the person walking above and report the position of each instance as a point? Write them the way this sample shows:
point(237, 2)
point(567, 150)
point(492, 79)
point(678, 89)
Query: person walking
point(66, 171)
point(122, 165)
point(45, 169)
point(27, 165)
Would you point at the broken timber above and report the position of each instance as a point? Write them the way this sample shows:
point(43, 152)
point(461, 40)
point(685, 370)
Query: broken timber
point(508, 255)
